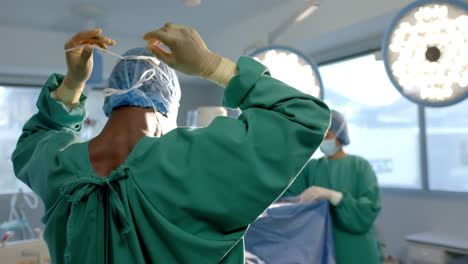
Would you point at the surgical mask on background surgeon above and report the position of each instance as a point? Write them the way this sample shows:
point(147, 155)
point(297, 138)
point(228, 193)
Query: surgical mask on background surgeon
point(329, 147)
point(340, 129)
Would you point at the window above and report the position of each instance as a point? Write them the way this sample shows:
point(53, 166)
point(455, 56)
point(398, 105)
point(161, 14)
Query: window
point(383, 125)
point(447, 144)
point(17, 105)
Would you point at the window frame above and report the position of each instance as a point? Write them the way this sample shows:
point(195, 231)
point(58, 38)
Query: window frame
point(423, 143)
point(424, 189)
point(5, 82)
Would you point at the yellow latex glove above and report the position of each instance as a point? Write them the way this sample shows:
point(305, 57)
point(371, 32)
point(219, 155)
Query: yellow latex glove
point(189, 53)
point(80, 64)
point(315, 193)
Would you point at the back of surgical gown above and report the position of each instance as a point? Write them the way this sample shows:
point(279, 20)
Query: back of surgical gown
point(187, 197)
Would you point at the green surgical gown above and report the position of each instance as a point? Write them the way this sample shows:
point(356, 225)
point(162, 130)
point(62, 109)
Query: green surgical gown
point(187, 197)
point(353, 218)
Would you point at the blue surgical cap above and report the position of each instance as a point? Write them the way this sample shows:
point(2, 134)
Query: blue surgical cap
point(159, 92)
point(339, 127)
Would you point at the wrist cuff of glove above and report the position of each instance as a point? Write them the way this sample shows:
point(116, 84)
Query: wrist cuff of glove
point(336, 198)
point(225, 71)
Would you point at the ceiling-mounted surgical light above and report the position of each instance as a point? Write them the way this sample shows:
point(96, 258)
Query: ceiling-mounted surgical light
point(291, 67)
point(426, 52)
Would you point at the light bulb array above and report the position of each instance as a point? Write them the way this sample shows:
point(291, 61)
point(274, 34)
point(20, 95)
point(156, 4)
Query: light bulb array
point(433, 28)
point(287, 67)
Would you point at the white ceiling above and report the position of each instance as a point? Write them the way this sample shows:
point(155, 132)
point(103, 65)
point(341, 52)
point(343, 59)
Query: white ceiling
point(228, 26)
point(332, 16)
point(213, 18)
point(132, 18)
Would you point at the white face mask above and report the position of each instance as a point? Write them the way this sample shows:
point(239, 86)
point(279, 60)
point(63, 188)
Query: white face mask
point(329, 147)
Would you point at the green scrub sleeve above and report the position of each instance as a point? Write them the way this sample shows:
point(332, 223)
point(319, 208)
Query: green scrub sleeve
point(44, 134)
point(54, 114)
point(227, 174)
point(299, 185)
point(356, 214)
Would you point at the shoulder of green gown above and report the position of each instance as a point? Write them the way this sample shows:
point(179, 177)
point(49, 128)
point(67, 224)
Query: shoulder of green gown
point(55, 113)
point(359, 161)
point(355, 161)
point(314, 161)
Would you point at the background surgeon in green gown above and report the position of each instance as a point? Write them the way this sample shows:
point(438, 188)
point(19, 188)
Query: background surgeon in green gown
point(136, 194)
point(350, 184)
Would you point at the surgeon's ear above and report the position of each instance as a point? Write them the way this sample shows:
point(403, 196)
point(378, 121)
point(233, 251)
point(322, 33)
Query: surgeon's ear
point(338, 143)
point(330, 134)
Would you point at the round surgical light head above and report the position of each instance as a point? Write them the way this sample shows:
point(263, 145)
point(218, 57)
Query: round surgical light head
point(426, 52)
point(291, 67)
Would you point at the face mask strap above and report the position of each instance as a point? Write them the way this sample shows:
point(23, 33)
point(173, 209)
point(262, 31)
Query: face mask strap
point(152, 60)
point(343, 125)
point(96, 47)
point(146, 76)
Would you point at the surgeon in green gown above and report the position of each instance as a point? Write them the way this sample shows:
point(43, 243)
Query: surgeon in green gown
point(139, 193)
point(350, 184)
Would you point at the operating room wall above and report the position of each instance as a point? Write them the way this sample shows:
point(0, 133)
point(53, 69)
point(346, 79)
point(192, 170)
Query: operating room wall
point(198, 93)
point(410, 212)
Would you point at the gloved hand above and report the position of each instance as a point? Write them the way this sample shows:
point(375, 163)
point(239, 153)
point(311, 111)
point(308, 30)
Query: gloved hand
point(189, 53)
point(314, 193)
point(80, 64)
point(80, 61)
